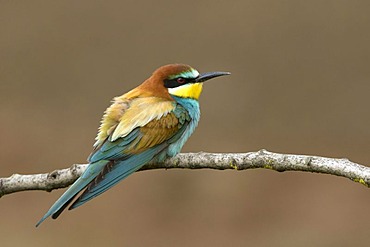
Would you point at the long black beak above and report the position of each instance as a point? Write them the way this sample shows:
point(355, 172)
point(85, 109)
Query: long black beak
point(209, 75)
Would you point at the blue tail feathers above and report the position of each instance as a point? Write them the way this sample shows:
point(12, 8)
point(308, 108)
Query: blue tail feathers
point(99, 177)
point(90, 173)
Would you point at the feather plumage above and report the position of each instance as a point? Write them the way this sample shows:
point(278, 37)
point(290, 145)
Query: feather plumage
point(143, 125)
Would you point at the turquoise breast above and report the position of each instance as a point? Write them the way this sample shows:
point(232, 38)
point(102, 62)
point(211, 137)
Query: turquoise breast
point(192, 109)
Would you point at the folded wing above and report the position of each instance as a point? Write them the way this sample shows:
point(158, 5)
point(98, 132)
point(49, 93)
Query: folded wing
point(126, 141)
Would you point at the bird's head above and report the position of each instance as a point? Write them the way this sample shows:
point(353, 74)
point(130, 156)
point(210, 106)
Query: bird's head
point(181, 80)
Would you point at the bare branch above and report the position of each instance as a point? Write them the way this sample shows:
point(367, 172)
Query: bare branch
point(221, 161)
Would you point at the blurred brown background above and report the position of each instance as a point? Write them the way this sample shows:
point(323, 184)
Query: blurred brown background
point(299, 84)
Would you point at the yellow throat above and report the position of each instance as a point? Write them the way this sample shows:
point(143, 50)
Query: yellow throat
point(191, 90)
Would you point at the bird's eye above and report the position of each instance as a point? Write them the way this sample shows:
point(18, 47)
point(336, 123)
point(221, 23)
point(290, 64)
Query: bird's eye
point(180, 80)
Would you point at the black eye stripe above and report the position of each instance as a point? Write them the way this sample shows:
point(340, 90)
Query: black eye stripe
point(170, 83)
point(175, 82)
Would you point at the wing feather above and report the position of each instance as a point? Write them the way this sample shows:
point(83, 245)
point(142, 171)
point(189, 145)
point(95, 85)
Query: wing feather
point(130, 152)
point(135, 143)
point(141, 112)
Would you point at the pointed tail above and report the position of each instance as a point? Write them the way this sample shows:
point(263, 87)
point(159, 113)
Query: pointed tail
point(91, 172)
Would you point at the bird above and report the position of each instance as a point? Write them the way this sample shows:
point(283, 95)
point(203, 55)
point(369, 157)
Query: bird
point(150, 123)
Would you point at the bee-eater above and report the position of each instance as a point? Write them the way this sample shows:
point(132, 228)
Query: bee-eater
point(149, 123)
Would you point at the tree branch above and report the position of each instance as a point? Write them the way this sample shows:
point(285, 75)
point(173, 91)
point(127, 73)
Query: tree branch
point(222, 161)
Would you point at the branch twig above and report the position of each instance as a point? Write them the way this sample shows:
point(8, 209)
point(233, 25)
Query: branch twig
point(238, 161)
